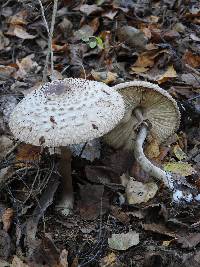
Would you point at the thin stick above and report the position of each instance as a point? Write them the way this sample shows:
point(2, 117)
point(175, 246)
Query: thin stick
point(50, 36)
point(146, 164)
point(55, 6)
point(43, 16)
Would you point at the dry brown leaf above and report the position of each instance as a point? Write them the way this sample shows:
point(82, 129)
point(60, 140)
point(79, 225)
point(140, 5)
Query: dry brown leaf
point(27, 153)
point(19, 18)
point(191, 59)
point(139, 69)
point(152, 149)
point(25, 66)
point(158, 228)
point(59, 48)
point(105, 77)
point(17, 262)
point(6, 71)
point(147, 59)
point(111, 260)
point(7, 219)
point(168, 74)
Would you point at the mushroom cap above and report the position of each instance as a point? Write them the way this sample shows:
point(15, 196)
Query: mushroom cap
point(157, 107)
point(65, 112)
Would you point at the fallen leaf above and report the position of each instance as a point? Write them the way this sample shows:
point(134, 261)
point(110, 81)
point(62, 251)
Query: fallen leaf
point(181, 168)
point(6, 72)
point(189, 241)
point(139, 69)
point(120, 215)
point(90, 9)
point(110, 14)
point(92, 202)
point(137, 192)
point(179, 153)
point(123, 241)
point(17, 262)
point(105, 77)
point(166, 243)
point(7, 219)
point(27, 153)
point(152, 149)
point(159, 229)
point(26, 65)
point(20, 32)
point(19, 18)
point(191, 79)
point(168, 74)
point(111, 260)
point(147, 58)
point(132, 37)
point(89, 151)
point(191, 59)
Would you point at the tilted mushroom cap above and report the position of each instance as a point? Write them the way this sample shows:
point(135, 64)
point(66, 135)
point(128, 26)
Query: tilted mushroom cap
point(158, 108)
point(68, 111)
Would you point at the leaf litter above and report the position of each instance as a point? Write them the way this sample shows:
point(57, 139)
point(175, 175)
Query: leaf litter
point(111, 42)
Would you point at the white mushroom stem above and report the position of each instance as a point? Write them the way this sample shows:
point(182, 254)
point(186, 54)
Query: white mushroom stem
point(66, 198)
point(146, 164)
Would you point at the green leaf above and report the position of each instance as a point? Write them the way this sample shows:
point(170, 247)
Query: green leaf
point(181, 168)
point(92, 44)
point(99, 42)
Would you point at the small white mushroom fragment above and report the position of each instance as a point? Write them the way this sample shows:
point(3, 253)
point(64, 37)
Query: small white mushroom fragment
point(65, 112)
point(150, 111)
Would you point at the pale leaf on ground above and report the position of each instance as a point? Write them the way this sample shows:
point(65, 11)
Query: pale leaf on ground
point(137, 192)
point(123, 241)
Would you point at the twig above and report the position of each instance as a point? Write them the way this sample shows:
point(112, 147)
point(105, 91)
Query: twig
point(55, 6)
point(50, 36)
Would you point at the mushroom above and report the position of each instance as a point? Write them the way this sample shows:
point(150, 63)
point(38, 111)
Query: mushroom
point(65, 112)
point(150, 111)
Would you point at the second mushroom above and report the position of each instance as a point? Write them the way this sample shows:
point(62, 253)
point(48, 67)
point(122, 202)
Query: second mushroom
point(150, 111)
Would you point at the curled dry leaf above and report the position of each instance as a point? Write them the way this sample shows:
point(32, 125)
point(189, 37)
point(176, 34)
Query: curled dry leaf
point(123, 241)
point(7, 219)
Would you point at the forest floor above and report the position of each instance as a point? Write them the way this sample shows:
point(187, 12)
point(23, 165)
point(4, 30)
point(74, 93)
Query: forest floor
point(109, 41)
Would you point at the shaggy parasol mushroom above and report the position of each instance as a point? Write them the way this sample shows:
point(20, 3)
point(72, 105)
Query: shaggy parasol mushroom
point(151, 111)
point(64, 112)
